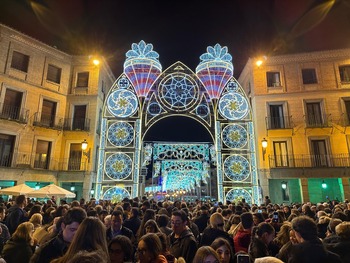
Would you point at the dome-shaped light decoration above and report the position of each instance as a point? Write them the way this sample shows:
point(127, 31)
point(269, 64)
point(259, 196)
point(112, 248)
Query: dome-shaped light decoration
point(142, 67)
point(215, 70)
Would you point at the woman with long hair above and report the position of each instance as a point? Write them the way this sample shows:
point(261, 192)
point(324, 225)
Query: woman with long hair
point(223, 248)
point(21, 245)
point(120, 249)
point(206, 254)
point(90, 236)
point(149, 249)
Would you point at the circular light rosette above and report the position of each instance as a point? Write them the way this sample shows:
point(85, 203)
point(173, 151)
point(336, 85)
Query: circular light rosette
point(122, 103)
point(236, 196)
point(120, 134)
point(233, 106)
point(118, 166)
point(234, 136)
point(116, 194)
point(237, 168)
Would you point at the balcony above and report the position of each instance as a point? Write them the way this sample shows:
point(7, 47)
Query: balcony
point(47, 121)
point(29, 161)
point(76, 124)
point(309, 161)
point(318, 121)
point(13, 113)
point(281, 122)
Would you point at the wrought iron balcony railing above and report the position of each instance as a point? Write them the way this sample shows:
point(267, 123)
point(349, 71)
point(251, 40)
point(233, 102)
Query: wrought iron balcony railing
point(344, 119)
point(76, 124)
point(282, 122)
point(309, 160)
point(318, 121)
point(31, 160)
point(48, 121)
point(12, 112)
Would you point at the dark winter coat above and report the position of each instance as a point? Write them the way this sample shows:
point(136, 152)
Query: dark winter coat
point(185, 246)
point(17, 251)
point(15, 216)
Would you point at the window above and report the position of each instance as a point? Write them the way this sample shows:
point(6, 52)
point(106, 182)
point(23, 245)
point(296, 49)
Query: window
point(79, 117)
point(54, 74)
point(309, 76)
point(347, 111)
point(12, 105)
point(75, 155)
point(42, 154)
point(48, 113)
point(281, 153)
point(83, 79)
point(344, 72)
point(314, 114)
point(276, 117)
point(7, 143)
point(319, 153)
point(20, 61)
point(273, 79)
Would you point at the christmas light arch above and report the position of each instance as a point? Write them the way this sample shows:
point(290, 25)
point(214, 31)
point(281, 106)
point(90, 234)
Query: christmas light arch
point(144, 94)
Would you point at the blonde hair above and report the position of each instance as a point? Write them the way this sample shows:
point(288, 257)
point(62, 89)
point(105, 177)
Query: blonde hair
point(24, 232)
point(216, 220)
point(343, 230)
point(36, 219)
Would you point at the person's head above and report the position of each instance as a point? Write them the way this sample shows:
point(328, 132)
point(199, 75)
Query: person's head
point(151, 226)
point(268, 260)
point(36, 219)
point(223, 249)
point(149, 248)
point(117, 220)
point(178, 221)
point(305, 228)
point(247, 220)
point(282, 236)
point(265, 232)
point(206, 254)
point(343, 230)
point(24, 232)
point(107, 221)
point(21, 201)
point(163, 220)
point(71, 222)
point(90, 236)
point(120, 249)
point(83, 256)
point(332, 225)
point(134, 212)
point(258, 218)
point(217, 221)
point(2, 212)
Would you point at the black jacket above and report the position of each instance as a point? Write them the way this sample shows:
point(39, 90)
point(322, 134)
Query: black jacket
point(124, 231)
point(210, 234)
point(133, 224)
point(52, 249)
point(15, 216)
point(185, 246)
point(17, 251)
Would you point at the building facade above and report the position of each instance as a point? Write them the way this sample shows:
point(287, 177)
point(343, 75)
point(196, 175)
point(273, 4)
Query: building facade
point(50, 102)
point(301, 112)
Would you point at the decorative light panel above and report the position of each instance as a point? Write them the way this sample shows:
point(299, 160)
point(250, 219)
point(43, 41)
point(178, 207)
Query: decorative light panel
point(118, 166)
point(120, 134)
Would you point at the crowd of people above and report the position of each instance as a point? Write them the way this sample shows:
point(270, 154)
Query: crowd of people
point(146, 231)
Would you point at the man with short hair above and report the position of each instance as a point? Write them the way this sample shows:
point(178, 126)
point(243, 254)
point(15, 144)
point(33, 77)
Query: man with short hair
point(242, 239)
point(117, 227)
point(134, 222)
point(182, 241)
point(57, 246)
point(16, 214)
point(202, 220)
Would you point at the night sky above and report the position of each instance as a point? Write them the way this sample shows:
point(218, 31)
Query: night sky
point(181, 30)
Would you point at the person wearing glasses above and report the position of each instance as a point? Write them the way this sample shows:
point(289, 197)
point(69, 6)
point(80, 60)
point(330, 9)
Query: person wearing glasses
point(215, 230)
point(182, 241)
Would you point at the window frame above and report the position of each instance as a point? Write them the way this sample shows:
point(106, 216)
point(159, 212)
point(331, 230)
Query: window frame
point(342, 70)
point(271, 79)
point(20, 61)
point(83, 79)
point(54, 74)
point(312, 80)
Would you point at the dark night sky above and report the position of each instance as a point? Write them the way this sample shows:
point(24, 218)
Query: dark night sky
point(181, 30)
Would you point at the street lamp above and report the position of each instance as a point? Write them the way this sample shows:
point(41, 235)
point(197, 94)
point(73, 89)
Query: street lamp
point(37, 186)
point(72, 187)
point(264, 146)
point(84, 146)
point(324, 185)
point(284, 185)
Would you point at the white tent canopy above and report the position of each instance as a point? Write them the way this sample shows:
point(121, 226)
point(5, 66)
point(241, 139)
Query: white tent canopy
point(21, 189)
point(51, 190)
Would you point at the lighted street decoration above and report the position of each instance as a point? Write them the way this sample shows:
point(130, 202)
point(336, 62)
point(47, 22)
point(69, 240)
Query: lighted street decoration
point(215, 70)
point(143, 95)
point(142, 67)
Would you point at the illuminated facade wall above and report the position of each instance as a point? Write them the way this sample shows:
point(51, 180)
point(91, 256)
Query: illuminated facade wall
point(145, 94)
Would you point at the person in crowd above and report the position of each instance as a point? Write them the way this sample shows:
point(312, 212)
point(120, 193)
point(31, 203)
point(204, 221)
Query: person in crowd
point(16, 214)
point(307, 247)
point(4, 235)
point(57, 246)
point(258, 218)
point(164, 240)
point(90, 236)
point(223, 248)
point(306, 210)
point(120, 249)
point(268, 259)
point(206, 254)
point(331, 236)
point(241, 240)
point(36, 208)
point(151, 226)
point(215, 229)
point(147, 215)
point(107, 221)
point(202, 220)
point(117, 227)
point(134, 221)
point(233, 222)
point(37, 220)
point(322, 226)
point(20, 247)
point(96, 256)
point(341, 246)
point(149, 249)
point(282, 238)
point(163, 223)
point(182, 241)
point(262, 236)
point(267, 200)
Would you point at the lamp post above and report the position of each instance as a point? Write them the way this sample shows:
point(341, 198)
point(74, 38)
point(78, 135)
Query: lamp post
point(263, 146)
point(84, 146)
point(284, 185)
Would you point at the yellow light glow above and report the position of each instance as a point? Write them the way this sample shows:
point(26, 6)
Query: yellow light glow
point(259, 63)
point(96, 62)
